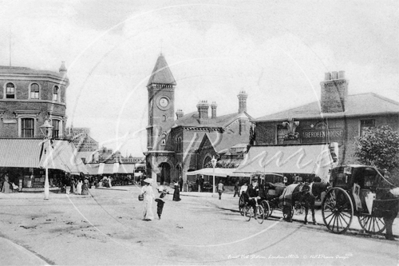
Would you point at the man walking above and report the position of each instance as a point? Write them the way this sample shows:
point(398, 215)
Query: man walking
point(220, 189)
point(236, 190)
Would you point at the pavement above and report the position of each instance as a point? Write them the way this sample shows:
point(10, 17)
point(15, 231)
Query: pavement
point(228, 202)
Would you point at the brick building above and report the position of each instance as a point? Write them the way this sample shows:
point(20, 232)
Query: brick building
point(185, 143)
point(337, 118)
point(28, 97)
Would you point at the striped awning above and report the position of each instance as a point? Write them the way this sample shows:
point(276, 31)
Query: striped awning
point(109, 169)
point(32, 153)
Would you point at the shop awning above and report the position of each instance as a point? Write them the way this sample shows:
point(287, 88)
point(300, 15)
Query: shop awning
point(62, 156)
point(223, 172)
point(29, 153)
point(20, 152)
point(300, 159)
point(126, 169)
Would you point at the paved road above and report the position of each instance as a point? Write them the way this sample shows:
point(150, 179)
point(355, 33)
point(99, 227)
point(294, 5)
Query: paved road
point(106, 229)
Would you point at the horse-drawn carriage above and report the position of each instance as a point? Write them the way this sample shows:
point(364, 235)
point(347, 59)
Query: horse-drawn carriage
point(362, 191)
point(271, 186)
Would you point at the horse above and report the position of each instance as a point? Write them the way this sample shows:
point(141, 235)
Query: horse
point(305, 194)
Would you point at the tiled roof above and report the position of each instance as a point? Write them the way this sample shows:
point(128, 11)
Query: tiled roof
point(26, 71)
point(357, 105)
point(161, 73)
point(192, 120)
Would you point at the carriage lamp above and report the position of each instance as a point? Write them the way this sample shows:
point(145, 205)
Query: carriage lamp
point(213, 161)
point(46, 131)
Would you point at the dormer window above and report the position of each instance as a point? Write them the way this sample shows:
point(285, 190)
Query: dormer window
point(56, 92)
point(34, 91)
point(10, 91)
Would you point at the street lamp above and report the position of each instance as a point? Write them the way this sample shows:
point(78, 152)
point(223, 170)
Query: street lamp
point(213, 161)
point(46, 131)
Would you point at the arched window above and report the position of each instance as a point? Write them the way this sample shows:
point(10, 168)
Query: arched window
point(34, 91)
point(56, 128)
point(10, 91)
point(56, 91)
point(27, 127)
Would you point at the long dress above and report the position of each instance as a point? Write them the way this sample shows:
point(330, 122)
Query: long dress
point(148, 199)
point(79, 188)
point(6, 187)
point(176, 194)
point(85, 187)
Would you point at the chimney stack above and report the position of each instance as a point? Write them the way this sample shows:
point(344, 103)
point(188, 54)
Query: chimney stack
point(179, 114)
point(242, 101)
point(334, 92)
point(213, 107)
point(203, 107)
point(62, 69)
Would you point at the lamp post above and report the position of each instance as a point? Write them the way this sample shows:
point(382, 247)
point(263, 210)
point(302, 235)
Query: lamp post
point(46, 131)
point(213, 161)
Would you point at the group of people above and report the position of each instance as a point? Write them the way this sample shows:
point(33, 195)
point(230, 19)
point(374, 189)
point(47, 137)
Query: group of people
point(148, 197)
point(80, 186)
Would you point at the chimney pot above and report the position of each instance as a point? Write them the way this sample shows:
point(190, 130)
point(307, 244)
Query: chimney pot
point(327, 76)
point(341, 74)
point(334, 75)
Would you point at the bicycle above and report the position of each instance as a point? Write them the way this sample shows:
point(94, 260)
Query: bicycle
point(260, 212)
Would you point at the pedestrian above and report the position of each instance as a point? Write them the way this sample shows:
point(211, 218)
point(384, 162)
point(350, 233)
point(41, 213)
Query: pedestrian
point(160, 203)
point(176, 193)
point(181, 183)
point(110, 181)
point(6, 184)
point(79, 187)
point(244, 188)
point(85, 187)
point(148, 194)
point(220, 189)
point(236, 190)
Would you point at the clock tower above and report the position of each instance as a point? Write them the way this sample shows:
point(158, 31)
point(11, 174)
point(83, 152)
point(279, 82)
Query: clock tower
point(161, 97)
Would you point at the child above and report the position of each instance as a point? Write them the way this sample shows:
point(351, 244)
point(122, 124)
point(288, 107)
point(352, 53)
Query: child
point(160, 203)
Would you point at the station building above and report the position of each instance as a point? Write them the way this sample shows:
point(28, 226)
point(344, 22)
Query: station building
point(178, 143)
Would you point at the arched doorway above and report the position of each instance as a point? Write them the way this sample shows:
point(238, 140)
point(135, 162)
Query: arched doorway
point(164, 173)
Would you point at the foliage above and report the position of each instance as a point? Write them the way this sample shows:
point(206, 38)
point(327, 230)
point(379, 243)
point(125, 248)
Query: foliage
point(378, 146)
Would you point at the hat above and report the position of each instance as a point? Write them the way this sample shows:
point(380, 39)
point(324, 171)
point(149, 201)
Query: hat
point(148, 180)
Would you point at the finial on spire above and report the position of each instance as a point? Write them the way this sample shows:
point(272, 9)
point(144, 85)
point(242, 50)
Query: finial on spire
point(161, 47)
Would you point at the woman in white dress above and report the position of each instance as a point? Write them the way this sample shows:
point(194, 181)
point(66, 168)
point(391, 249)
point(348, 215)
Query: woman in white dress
point(79, 187)
point(148, 193)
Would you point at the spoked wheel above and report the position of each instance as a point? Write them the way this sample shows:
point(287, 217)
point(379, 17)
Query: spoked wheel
point(287, 214)
point(249, 212)
point(371, 224)
point(241, 205)
point(260, 214)
point(266, 208)
point(337, 210)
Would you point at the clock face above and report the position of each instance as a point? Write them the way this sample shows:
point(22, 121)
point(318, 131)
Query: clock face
point(163, 102)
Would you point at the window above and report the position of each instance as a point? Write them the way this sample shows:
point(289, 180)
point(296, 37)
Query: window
point(56, 128)
point(10, 91)
point(27, 128)
point(34, 91)
point(366, 124)
point(281, 133)
point(179, 143)
point(56, 91)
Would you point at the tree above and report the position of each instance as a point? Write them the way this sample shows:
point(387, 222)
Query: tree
point(379, 147)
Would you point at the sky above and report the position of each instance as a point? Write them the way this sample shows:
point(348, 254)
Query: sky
point(277, 51)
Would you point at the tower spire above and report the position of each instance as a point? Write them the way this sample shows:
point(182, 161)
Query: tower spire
point(161, 73)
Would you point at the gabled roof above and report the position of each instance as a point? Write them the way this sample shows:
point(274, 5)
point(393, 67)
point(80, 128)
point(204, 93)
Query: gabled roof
point(161, 73)
point(357, 105)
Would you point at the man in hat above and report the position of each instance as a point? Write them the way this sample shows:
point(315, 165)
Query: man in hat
point(253, 194)
point(161, 202)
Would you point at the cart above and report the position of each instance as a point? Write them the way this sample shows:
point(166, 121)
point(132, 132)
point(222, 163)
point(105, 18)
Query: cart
point(354, 192)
